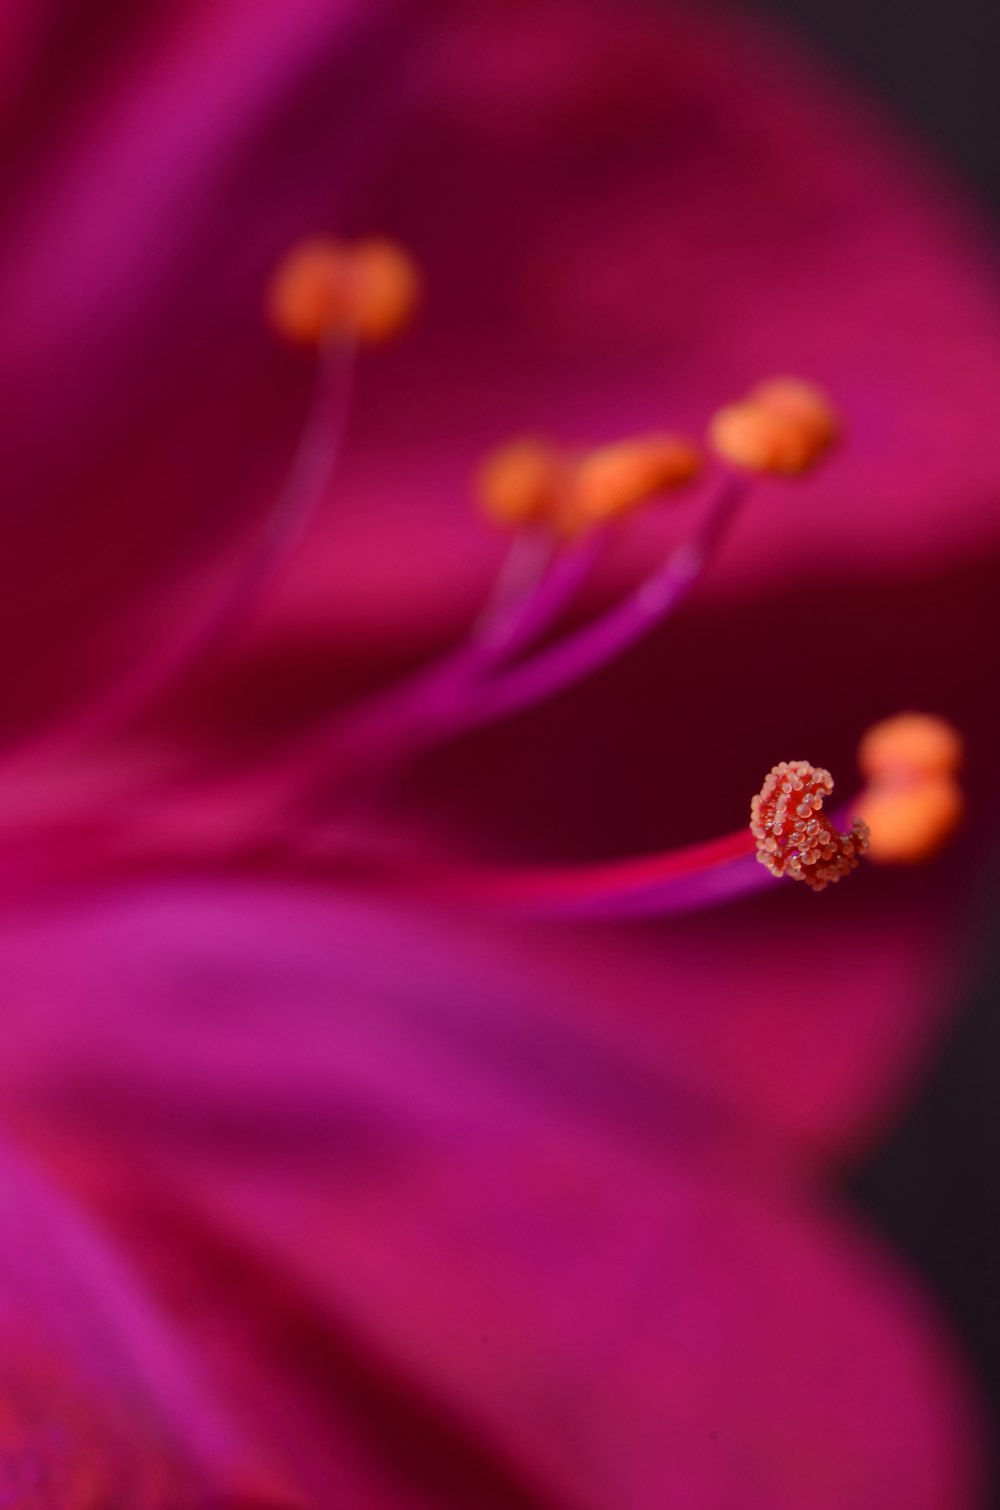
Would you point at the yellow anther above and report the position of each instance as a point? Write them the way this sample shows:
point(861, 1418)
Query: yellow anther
point(519, 483)
point(908, 746)
point(909, 822)
point(785, 426)
point(612, 480)
point(323, 288)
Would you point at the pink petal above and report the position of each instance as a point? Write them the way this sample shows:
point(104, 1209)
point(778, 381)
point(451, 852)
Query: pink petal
point(97, 1404)
point(400, 1180)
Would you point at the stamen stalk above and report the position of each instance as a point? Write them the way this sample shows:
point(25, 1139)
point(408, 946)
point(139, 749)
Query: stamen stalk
point(701, 875)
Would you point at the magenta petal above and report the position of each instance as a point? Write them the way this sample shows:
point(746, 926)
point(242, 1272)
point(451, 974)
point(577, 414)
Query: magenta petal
point(495, 1250)
point(97, 1404)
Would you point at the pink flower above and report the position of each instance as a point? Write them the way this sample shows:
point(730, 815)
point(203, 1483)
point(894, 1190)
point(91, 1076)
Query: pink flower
point(314, 1187)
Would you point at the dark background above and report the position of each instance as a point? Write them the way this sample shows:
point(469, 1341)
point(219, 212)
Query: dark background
point(935, 1187)
point(936, 61)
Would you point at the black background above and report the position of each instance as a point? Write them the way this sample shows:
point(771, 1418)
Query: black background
point(935, 1187)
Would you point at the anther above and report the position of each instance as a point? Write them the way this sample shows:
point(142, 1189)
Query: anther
point(528, 482)
point(519, 484)
point(617, 478)
point(908, 746)
point(794, 836)
point(913, 802)
point(909, 823)
point(784, 426)
point(323, 288)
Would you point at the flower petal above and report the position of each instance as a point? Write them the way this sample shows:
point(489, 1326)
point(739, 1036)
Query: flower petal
point(97, 1404)
point(395, 1189)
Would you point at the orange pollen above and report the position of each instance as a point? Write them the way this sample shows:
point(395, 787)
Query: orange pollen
point(908, 746)
point(519, 484)
point(617, 478)
point(793, 836)
point(784, 426)
point(910, 822)
point(913, 802)
point(530, 482)
point(324, 288)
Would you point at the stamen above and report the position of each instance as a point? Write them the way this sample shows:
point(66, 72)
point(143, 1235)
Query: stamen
point(531, 482)
point(910, 823)
point(913, 802)
point(910, 745)
point(519, 484)
point(615, 479)
point(701, 875)
point(794, 837)
point(396, 723)
point(785, 427)
point(574, 658)
point(465, 689)
point(528, 481)
point(325, 288)
point(323, 294)
point(788, 834)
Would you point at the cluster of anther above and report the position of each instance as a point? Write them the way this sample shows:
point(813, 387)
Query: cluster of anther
point(794, 838)
point(530, 482)
point(784, 427)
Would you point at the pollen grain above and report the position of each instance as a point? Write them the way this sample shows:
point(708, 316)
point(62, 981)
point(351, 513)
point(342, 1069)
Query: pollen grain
point(794, 836)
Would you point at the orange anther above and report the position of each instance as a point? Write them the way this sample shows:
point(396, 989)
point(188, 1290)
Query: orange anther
point(784, 427)
point(910, 822)
point(325, 287)
point(519, 483)
point(386, 288)
point(616, 478)
point(802, 402)
point(908, 746)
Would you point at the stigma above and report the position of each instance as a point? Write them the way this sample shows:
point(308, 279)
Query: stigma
point(794, 837)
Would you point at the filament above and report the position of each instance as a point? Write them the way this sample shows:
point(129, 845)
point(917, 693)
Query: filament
point(461, 695)
point(663, 885)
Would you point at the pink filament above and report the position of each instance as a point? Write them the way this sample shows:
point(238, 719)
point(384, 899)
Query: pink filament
point(678, 881)
point(395, 723)
point(459, 694)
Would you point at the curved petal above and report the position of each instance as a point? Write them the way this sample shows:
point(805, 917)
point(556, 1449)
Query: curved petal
point(396, 1192)
point(97, 1404)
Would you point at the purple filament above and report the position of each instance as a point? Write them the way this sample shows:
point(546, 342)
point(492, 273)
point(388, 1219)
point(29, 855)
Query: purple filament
point(406, 715)
point(615, 632)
